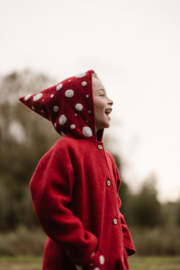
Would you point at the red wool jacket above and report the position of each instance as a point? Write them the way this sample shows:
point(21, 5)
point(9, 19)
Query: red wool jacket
point(75, 185)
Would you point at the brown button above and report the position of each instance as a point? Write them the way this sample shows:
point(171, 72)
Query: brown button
point(108, 183)
point(122, 258)
point(114, 221)
point(100, 147)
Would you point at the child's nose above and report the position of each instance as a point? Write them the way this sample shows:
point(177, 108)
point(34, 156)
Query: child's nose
point(110, 102)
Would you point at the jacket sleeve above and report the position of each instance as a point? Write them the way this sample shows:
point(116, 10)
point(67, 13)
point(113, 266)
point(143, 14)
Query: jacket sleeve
point(51, 189)
point(128, 242)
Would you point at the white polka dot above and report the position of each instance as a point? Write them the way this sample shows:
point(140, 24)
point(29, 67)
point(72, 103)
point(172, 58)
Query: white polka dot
point(72, 126)
point(27, 97)
point(69, 80)
point(78, 267)
point(86, 120)
point(87, 96)
point(87, 131)
point(55, 124)
point(69, 93)
point(63, 134)
point(79, 107)
point(55, 108)
point(84, 83)
point(51, 96)
point(80, 75)
point(62, 119)
point(42, 111)
point(37, 97)
point(89, 111)
point(59, 86)
point(43, 100)
point(75, 114)
point(96, 268)
point(33, 107)
point(101, 259)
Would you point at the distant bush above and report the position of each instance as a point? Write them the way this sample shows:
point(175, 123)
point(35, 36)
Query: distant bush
point(22, 242)
point(177, 213)
point(142, 209)
point(157, 241)
point(15, 211)
point(24, 139)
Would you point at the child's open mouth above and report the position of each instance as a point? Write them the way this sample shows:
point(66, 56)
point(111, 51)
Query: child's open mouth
point(108, 111)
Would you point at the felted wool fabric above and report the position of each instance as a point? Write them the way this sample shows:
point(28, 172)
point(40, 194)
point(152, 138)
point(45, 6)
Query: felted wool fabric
point(75, 185)
point(68, 105)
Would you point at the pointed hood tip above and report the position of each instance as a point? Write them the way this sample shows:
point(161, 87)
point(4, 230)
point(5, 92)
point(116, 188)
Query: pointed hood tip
point(22, 99)
point(68, 105)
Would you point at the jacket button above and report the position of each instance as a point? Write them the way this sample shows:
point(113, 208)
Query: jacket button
point(108, 183)
point(114, 221)
point(100, 147)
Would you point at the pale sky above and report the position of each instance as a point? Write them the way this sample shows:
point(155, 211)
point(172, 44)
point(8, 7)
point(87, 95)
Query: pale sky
point(134, 46)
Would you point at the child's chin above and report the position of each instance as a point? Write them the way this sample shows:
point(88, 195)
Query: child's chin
point(104, 124)
point(107, 125)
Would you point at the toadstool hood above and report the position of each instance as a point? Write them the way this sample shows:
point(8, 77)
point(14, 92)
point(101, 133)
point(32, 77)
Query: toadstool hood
point(68, 105)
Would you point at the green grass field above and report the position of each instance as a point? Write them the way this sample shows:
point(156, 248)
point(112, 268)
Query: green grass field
point(136, 263)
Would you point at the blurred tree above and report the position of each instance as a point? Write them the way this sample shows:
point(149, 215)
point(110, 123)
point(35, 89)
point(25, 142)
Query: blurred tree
point(177, 213)
point(24, 138)
point(169, 214)
point(144, 209)
point(124, 192)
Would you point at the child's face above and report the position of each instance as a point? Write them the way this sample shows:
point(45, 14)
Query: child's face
point(102, 105)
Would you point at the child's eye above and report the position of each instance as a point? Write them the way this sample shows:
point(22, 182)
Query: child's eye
point(102, 95)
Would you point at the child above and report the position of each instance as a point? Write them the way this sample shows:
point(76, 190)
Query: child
point(75, 185)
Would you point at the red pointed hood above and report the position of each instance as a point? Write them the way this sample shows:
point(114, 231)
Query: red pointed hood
point(68, 105)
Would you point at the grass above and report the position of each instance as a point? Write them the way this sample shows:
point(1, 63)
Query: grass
point(154, 263)
point(23, 249)
point(136, 263)
point(20, 263)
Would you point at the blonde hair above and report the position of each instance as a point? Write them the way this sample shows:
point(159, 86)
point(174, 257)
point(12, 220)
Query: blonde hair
point(96, 76)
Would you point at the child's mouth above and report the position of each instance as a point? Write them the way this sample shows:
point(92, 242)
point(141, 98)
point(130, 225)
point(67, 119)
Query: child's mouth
point(107, 112)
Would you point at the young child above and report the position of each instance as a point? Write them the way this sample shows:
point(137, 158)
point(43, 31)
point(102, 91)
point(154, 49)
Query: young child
point(75, 186)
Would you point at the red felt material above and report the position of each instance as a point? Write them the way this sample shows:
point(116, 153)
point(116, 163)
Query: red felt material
point(71, 198)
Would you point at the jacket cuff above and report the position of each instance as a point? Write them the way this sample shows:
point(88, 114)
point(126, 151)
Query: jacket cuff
point(82, 254)
point(130, 251)
point(95, 262)
point(128, 243)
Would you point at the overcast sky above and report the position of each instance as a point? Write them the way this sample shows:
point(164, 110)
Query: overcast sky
point(134, 47)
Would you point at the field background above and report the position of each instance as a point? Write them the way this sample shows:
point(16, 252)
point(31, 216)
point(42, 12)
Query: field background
point(23, 249)
point(136, 263)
